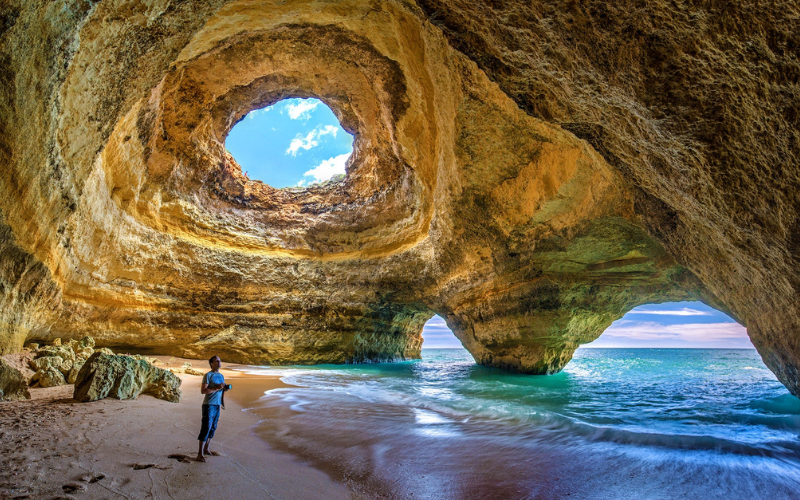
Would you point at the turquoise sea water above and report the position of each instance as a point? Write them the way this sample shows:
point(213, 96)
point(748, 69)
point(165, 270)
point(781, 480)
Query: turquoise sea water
point(616, 423)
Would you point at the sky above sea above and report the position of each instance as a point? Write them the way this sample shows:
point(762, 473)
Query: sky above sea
point(299, 142)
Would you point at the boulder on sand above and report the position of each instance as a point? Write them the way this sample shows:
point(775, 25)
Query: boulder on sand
point(123, 377)
point(13, 385)
point(48, 377)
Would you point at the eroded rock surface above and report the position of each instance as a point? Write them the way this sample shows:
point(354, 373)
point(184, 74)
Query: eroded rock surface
point(528, 170)
point(123, 377)
point(48, 376)
point(13, 384)
point(66, 359)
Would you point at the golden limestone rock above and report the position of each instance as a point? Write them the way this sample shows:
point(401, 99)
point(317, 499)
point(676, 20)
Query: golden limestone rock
point(530, 171)
point(60, 364)
point(48, 376)
point(13, 384)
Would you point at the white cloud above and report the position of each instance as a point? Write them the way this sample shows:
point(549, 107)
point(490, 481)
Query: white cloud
point(328, 168)
point(626, 333)
point(301, 110)
point(678, 312)
point(311, 140)
point(299, 142)
point(327, 130)
point(436, 331)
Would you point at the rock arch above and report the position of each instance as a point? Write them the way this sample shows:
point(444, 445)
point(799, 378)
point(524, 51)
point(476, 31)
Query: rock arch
point(529, 172)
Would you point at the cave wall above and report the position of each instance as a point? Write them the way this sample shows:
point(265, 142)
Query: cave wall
point(529, 171)
point(696, 106)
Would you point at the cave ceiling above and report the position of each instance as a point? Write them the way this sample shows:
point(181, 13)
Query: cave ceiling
point(530, 171)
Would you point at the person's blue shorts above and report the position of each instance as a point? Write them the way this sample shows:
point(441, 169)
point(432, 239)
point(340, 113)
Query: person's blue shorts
point(210, 420)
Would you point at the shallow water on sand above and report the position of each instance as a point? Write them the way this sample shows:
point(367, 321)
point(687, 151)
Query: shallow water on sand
point(616, 423)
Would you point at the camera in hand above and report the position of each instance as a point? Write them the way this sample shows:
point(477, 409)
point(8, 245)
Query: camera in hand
point(227, 387)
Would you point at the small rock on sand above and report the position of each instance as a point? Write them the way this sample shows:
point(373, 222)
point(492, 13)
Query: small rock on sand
point(13, 385)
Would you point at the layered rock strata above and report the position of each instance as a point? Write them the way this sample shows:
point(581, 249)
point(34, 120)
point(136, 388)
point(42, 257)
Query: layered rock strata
point(529, 171)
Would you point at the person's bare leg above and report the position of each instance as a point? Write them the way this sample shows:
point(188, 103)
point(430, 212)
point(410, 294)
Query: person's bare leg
point(207, 452)
point(200, 457)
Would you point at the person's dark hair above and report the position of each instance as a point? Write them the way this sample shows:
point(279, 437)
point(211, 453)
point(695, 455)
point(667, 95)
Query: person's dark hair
point(211, 360)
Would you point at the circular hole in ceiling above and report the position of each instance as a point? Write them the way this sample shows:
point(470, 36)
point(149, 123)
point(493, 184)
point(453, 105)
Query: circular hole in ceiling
point(292, 143)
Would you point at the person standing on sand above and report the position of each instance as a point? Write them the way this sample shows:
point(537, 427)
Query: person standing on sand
point(213, 387)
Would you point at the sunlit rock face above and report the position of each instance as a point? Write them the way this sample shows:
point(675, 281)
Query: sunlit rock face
point(529, 171)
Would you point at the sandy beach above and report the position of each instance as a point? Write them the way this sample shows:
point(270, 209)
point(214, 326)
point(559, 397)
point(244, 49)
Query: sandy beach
point(55, 447)
point(441, 427)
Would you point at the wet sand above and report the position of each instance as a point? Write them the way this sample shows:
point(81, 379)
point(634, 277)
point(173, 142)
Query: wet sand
point(55, 447)
point(444, 427)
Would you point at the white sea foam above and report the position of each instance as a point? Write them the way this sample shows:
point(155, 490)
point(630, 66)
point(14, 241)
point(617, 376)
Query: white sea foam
point(646, 417)
point(426, 417)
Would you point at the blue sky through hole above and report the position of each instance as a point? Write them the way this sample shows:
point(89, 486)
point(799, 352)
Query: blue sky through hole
point(293, 143)
point(669, 325)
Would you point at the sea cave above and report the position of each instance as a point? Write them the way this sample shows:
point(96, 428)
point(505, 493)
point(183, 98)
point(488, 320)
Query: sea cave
point(528, 171)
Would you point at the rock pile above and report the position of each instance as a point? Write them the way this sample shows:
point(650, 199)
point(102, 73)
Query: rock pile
point(59, 364)
point(106, 375)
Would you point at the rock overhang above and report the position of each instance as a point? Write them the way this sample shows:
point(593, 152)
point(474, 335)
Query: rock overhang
point(525, 238)
point(182, 126)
